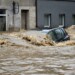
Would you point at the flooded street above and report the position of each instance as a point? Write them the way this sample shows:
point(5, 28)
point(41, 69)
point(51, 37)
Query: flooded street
point(29, 53)
point(42, 60)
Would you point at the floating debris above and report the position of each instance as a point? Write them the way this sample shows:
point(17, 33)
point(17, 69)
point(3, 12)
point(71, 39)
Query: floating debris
point(3, 41)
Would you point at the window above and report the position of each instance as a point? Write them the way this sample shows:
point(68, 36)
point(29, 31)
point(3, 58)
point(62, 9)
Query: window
point(74, 19)
point(2, 11)
point(47, 20)
point(2, 23)
point(2, 19)
point(62, 19)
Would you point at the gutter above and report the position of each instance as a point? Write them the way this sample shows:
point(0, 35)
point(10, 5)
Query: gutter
point(36, 12)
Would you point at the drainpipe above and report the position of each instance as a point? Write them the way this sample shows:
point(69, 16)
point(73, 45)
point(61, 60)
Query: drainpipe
point(13, 22)
point(27, 27)
point(36, 12)
point(13, 14)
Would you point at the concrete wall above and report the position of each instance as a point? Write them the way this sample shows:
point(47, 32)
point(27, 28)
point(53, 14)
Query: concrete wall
point(31, 19)
point(14, 21)
point(55, 8)
point(21, 2)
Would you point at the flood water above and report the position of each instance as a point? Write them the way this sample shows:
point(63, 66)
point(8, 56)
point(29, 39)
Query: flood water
point(37, 61)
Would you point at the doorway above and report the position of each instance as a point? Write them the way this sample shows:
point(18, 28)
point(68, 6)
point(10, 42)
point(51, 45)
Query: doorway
point(24, 19)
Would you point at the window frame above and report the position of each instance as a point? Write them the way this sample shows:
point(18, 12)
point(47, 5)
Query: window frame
point(4, 15)
point(73, 16)
point(47, 20)
point(62, 19)
point(3, 11)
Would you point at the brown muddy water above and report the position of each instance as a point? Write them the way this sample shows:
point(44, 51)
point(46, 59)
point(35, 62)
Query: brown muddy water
point(15, 60)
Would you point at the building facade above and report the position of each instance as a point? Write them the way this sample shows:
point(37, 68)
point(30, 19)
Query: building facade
point(55, 13)
point(17, 14)
point(32, 14)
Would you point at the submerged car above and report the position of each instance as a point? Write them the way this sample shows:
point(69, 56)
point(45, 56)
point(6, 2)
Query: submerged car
point(58, 35)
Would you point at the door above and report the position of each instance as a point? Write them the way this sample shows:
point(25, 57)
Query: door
point(24, 19)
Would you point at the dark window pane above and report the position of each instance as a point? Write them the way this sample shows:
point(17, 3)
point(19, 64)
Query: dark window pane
point(2, 11)
point(47, 20)
point(61, 19)
point(74, 19)
point(2, 23)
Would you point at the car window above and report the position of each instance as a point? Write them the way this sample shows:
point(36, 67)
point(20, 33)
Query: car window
point(59, 33)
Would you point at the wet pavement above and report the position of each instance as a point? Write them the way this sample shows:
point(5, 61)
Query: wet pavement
point(37, 60)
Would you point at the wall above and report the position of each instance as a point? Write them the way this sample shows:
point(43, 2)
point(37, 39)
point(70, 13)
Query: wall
point(55, 8)
point(21, 2)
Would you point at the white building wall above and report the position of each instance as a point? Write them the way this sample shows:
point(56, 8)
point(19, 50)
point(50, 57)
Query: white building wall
point(32, 18)
point(14, 21)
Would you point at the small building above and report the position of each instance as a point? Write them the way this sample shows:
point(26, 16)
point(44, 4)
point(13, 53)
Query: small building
point(55, 13)
point(17, 14)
